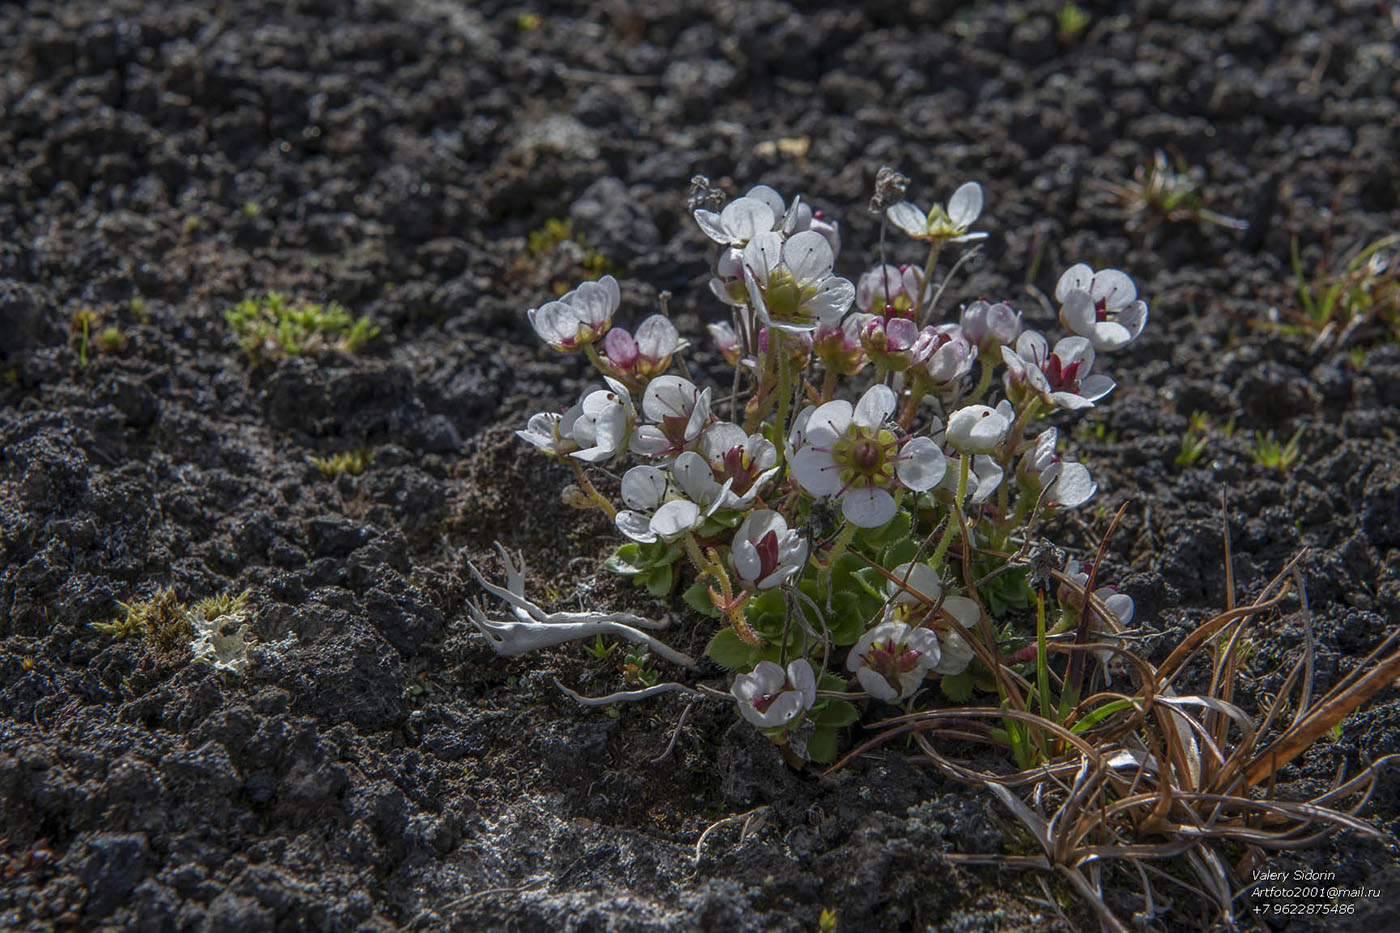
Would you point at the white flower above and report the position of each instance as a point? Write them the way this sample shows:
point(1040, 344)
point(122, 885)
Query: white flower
point(790, 282)
point(580, 317)
point(889, 291)
point(983, 478)
point(1060, 377)
point(542, 432)
point(676, 504)
point(1102, 306)
point(748, 461)
point(897, 343)
point(678, 412)
point(937, 225)
point(850, 453)
point(740, 221)
point(1069, 482)
point(771, 698)
point(839, 348)
point(990, 325)
point(914, 585)
point(892, 659)
point(601, 423)
point(979, 429)
point(957, 654)
point(950, 358)
point(765, 552)
point(646, 356)
point(1120, 604)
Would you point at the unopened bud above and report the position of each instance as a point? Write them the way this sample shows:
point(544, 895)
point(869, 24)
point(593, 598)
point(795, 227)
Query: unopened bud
point(576, 498)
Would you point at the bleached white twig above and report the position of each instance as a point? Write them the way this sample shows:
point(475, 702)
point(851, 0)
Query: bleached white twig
point(536, 629)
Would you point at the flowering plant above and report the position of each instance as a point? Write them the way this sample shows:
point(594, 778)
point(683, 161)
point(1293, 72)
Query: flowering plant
point(853, 500)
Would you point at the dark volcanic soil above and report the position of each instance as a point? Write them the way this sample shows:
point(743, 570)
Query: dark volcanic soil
point(381, 768)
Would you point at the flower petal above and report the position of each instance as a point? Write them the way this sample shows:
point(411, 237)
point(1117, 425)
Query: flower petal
point(769, 196)
point(876, 686)
point(635, 525)
point(1077, 277)
point(808, 256)
point(867, 506)
point(832, 300)
point(1077, 313)
point(816, 472)
point(1114, 288)
point(965, 205)
point(644, 487)
point(909, 218)
point(675, 518)
point(921, 464)
point(746, 218)
point(762, 255)
point(713, 227)
point(874, 407)
point(657, 338)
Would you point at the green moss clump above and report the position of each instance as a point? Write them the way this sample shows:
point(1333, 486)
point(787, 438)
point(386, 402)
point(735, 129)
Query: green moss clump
point(352, 462)
point(167, 624)
point(163, 621)
point(270, 328)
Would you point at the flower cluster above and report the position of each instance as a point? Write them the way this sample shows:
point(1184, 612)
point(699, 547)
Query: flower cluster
point(854, 545)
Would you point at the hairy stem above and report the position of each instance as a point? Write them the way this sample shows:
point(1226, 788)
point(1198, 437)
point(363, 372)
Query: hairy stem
point(591, 491)
point(955, 523)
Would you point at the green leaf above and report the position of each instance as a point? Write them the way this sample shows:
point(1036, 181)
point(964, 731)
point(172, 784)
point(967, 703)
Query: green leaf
point(767, 613)
point(895, 529)
point(900, 552)
point(957, 687)
point(848, 618)
point(871, 581)
point(821, 747)
point(626, 560)
point(697, 597)
point(728, 651)
point(833, 713)
point(658, 580)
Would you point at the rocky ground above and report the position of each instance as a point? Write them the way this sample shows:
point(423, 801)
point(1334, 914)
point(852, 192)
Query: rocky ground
point(381, 768)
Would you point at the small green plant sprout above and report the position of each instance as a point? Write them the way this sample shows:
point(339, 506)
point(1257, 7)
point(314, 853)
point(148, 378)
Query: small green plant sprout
point(251, 209)
point(826, 922)
point(1357, 305)
point(352, 462)
point(80, 327)
point(527, 22)
point(190, 224)
point(111, 341)
point(1162, 193)
point(270, 328)
point(137, 307)
point(1071, 20)
point(1194, 441)
point(599, 649)
point(561, 252)
point(1269, 453)
point(637, 671)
